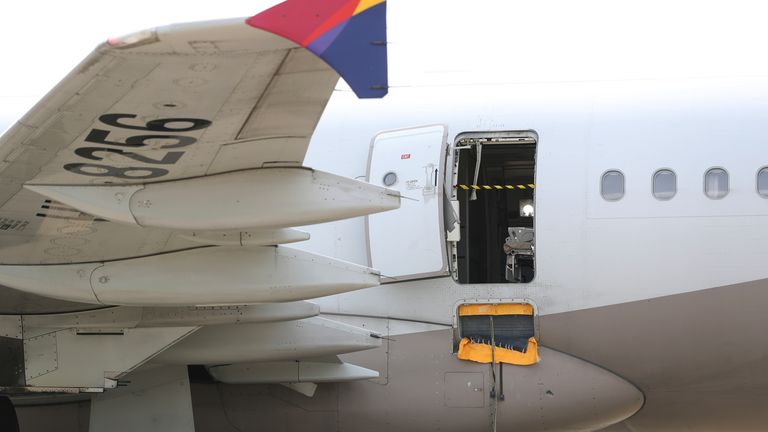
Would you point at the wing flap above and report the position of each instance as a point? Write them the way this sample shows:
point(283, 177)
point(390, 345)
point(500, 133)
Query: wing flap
point(292, 93)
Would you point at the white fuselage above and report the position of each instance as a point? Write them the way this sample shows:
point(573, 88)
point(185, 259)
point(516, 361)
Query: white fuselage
point(590, 252)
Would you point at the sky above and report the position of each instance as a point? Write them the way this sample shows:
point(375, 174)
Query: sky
point(43, 39)
point(432, 42)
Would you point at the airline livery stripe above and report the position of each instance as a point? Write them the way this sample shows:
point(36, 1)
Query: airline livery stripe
point(365, 5)
point(349, 35)
point(497, 187)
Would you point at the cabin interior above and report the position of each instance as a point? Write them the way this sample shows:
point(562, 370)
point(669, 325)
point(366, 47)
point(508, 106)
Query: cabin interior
point(495, 190)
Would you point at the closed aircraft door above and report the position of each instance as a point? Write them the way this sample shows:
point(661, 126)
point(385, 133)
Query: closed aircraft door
point(407, 243)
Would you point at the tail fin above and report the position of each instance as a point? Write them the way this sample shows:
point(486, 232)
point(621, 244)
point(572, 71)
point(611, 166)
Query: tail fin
point(349, 35)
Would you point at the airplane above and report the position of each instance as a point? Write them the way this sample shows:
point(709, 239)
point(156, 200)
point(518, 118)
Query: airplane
point(249, 225)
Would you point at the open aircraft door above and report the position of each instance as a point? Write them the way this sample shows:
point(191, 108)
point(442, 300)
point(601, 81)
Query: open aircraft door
point(408, 243)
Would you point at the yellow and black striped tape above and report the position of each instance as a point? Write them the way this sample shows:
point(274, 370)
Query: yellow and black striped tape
point(499, 187)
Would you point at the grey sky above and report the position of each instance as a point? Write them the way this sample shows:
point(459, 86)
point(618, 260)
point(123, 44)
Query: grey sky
point(432, 41)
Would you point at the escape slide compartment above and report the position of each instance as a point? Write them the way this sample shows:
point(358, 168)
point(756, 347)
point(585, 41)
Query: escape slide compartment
point(498, 333)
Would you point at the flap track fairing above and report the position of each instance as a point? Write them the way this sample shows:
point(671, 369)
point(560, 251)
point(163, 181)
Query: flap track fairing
point(241, 200)
point(196, 277)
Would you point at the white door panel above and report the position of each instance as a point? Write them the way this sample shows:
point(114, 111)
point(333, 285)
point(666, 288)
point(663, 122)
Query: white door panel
point(408, 242)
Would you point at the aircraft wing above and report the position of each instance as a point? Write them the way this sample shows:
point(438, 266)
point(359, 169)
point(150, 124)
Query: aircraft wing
point(161, 178)
point(194, 113)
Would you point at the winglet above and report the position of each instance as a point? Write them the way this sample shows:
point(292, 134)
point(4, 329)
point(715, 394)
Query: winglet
point(349, 35)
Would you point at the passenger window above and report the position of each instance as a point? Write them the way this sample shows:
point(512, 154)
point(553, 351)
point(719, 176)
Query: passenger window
point(716, 183)
point(762, 182)
point(664, 184)
point(612, 185)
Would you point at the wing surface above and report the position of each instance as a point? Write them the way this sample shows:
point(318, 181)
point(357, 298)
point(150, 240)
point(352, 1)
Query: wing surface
point(178, 102)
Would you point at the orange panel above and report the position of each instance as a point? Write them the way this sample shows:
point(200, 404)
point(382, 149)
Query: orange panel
point(481, 353)
point(496, 309)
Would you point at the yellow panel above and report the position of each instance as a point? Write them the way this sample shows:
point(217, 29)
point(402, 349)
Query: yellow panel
point(496, 309)
point(481, 353)
point(366, 4)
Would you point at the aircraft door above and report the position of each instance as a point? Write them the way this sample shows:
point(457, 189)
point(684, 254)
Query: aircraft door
point(408, 243)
